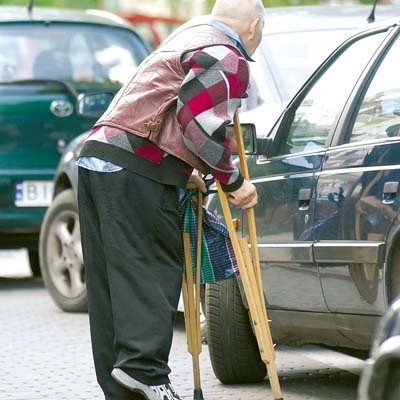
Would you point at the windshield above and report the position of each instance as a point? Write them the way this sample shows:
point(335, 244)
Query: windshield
point(284, 61)
point(293, 56)
point(70, 52)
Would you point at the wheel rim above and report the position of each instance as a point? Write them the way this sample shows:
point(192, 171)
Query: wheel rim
point(64, 254)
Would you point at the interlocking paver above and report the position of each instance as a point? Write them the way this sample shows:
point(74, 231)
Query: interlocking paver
point(45, 354)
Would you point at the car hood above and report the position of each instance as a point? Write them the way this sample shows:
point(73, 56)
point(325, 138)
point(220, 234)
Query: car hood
point(38, 118)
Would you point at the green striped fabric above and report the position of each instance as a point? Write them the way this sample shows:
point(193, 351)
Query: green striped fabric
point(218, 261)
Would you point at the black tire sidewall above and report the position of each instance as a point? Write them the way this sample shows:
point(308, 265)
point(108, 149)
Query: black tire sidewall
point(233, 348)
point(34, 262)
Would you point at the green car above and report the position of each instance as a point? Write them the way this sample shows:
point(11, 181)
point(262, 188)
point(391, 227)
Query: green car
point(48, 59)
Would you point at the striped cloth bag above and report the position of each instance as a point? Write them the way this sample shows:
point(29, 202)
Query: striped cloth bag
point(218, 261)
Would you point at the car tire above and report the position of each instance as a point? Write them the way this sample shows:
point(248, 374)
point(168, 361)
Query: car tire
point(392, 386)
point(34, 262)
point(395, 274)
point(234, 353)
point(60, 254)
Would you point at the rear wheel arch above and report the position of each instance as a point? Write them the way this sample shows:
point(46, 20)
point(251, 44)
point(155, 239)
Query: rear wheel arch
point(392, 264)
point(62, 183)
point(392, 382)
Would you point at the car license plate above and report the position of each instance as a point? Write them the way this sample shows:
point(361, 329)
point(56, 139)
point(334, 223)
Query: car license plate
point(33, 193)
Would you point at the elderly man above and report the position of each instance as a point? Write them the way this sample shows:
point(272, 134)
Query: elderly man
point(166, 121)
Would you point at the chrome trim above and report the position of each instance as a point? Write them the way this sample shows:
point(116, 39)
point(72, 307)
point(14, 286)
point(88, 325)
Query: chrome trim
point(336, 171)
point(385, 291)
point(61, 108)
point(287, 252)
point(349, 251)
point(269, 179)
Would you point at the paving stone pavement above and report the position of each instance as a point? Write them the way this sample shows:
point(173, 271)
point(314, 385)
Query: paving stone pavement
point(45, 354)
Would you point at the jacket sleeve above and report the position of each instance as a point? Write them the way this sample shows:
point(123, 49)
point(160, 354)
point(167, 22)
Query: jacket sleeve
point(216, 79)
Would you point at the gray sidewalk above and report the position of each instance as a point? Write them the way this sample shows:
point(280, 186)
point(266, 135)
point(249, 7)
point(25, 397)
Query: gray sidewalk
point(45, 354)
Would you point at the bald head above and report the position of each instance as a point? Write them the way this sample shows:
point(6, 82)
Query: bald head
point(246, 17)
point(237, 12)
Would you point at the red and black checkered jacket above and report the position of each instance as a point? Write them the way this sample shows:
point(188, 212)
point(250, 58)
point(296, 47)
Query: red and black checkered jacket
point(216, 79)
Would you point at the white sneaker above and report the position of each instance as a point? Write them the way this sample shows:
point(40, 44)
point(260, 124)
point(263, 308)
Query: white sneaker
point(150, 392)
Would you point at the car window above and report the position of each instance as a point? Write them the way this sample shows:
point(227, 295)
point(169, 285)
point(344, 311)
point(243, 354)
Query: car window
point(74, 52)
point(315, 116)
point(379, 113)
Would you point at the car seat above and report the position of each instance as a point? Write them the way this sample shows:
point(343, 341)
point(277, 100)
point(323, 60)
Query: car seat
point(52, 64)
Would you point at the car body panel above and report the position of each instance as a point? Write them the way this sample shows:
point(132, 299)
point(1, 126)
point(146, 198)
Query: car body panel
point(66, 176)
point(358, 184)
point(351, 253)
point(284, 214)
point(30, 148)
point(12, 14)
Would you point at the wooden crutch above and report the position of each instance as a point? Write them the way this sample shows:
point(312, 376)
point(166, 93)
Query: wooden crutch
point(191, 299)
point(249, 268)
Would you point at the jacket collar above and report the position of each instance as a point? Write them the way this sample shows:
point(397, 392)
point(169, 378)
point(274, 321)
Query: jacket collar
point(233, 35)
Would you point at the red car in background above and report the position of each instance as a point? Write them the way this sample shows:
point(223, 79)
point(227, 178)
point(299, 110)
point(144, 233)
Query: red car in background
point(153, 28)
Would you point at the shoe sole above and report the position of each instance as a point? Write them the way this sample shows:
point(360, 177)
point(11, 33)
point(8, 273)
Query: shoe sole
point(132, 384)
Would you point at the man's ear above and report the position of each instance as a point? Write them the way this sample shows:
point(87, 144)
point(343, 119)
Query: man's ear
point(253, 27)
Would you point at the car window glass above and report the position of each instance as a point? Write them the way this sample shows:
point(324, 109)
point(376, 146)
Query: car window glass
point(379, 113)
point(72, 52)
point(82, 59)
point(316, 114)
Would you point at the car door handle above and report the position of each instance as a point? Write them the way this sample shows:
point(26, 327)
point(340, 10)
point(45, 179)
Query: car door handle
point(304, 199)
point(390, 192)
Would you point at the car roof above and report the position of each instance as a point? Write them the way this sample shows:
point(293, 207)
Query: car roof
point(289, 19)
point(324, 17)
point(53, 14)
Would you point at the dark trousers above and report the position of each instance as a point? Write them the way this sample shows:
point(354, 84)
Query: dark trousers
point(132, 249)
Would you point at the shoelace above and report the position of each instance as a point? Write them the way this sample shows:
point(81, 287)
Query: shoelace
point(171, 389)
point(168, 389)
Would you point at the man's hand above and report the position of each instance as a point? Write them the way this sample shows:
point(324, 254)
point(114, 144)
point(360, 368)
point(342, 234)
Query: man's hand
point(197, 181)
point(245, 196)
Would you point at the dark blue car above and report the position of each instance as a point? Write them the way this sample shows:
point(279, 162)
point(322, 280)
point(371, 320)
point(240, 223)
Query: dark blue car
point(328, 214)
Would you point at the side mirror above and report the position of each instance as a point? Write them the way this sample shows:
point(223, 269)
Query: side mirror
point(93, 105)
point(252, 144)
point(393, 130)
point(264, 145)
